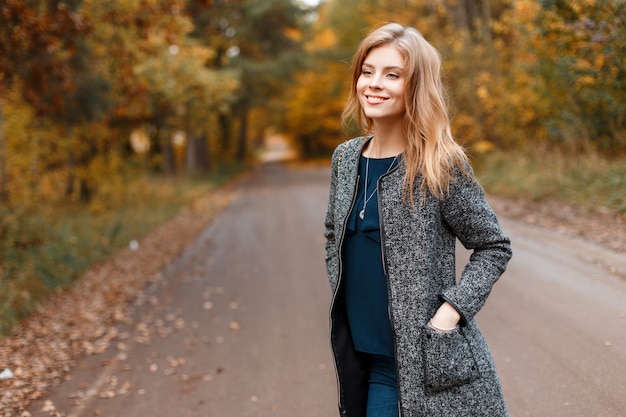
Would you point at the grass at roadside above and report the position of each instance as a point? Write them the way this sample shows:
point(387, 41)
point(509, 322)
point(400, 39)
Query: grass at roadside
point(45, 248)
point(587, 181)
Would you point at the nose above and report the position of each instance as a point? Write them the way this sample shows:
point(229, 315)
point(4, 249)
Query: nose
point(376, 81)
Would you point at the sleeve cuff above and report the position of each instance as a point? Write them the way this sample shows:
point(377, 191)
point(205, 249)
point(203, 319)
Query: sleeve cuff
point(463, 322)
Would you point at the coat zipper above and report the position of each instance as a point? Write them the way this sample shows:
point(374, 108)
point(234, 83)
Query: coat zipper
point(384, 259)
point(332, 304)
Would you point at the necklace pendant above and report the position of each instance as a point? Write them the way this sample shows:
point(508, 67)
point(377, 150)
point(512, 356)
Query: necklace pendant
point(362, 214)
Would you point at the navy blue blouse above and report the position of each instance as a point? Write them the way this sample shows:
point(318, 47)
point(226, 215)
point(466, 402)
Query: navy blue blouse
point(364, 278)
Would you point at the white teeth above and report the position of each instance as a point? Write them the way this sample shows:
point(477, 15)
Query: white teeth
point(377, 99)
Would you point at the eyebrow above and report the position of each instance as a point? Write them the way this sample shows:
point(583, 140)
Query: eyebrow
point(390, 68)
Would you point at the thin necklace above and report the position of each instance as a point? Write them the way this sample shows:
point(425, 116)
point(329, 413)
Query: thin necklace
point(366, 199)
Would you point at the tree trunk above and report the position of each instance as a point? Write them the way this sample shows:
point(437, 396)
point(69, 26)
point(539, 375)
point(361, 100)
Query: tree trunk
point(71, 164)
point(34, 167)
point(224, 122)
point(164, 144)
point(191, 153)
point(86, 186)
point(461, 17)
point(4, 178)
point(167, 153)
point(242, 143)
point(203, 153)
point(486, 12)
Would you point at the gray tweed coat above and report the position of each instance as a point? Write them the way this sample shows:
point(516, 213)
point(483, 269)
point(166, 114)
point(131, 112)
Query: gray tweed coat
point(439, 374)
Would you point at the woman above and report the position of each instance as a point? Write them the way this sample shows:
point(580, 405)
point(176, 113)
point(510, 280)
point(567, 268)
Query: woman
point(403, 333)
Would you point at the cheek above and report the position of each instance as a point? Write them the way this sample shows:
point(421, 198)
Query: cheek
point(360, 83)
point(401, 92)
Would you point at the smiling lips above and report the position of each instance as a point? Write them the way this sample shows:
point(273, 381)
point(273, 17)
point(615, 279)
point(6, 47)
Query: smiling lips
point(375, 99)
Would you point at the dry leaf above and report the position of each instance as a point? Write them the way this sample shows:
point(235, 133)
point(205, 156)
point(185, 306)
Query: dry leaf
point(70, 326)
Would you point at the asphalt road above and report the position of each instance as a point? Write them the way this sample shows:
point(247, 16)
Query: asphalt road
point(238, 324)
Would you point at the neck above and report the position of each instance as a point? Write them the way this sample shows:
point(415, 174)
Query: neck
point(387, 142)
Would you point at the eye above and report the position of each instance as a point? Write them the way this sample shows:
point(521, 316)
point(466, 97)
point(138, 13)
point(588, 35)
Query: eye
point(366, 72)
point(393, 75)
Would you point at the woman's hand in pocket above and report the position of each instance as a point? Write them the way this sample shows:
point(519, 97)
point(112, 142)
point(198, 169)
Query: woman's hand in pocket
point(445, 319)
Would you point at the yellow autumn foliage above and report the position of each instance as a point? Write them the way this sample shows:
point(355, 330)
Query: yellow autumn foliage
point(519, 72)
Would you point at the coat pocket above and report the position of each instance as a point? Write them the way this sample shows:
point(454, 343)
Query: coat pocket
point(448, 360)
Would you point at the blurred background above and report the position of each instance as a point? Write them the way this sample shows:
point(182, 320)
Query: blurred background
point(115, 114)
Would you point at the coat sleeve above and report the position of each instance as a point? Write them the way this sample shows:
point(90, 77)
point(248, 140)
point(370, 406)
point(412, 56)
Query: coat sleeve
point(474, 223)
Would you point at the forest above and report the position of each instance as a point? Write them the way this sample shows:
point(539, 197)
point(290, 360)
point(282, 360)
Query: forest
point(115, 114)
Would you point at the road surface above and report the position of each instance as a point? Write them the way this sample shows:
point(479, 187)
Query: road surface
point(238, 325)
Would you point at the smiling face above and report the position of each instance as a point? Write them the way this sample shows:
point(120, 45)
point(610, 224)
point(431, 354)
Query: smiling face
point(381, 85)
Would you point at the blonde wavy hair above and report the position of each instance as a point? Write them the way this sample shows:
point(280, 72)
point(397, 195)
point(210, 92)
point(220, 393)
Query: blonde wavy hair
point(431, 149)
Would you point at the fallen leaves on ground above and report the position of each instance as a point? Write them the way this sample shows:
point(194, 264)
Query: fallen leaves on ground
point(601, 226)
point(82, 321)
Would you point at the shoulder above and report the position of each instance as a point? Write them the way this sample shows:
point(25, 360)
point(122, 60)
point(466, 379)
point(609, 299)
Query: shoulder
point(350, 144)
point(348, 148)
point(339, 149)
point(465, 193)
point(462, 175)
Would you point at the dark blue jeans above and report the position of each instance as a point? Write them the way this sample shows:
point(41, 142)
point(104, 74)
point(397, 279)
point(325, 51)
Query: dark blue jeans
point(382, 399)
